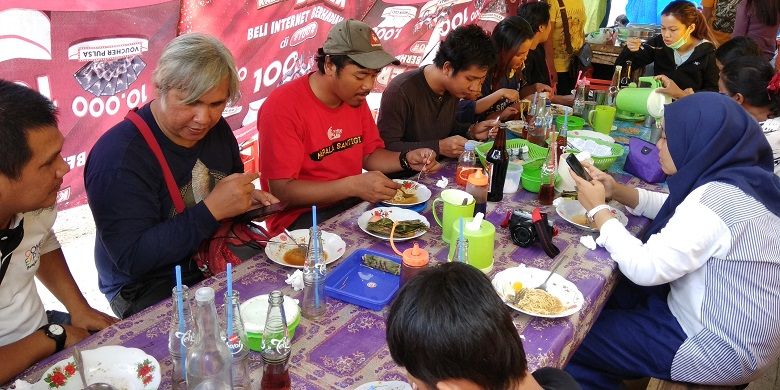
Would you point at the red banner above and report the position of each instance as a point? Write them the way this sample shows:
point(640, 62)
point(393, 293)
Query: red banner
point(94, 65)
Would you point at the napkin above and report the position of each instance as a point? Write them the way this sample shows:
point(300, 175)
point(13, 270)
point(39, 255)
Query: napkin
point(442, 183)
point(588, 242)
point(295, 280)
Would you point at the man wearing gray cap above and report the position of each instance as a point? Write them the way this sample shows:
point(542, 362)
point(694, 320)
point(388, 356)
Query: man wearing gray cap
point(317, 134)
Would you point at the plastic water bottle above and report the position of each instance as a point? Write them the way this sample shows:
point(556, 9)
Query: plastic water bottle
point(467, 164)
point(237, 344)
point(208, 361)
point(180, 339)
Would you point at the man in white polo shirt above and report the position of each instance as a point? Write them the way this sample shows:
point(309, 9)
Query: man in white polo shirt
point(31, 172)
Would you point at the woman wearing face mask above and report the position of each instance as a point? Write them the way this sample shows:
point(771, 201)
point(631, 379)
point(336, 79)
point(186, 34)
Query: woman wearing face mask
point(683, 55)
point(753, 83)
point(703, 301)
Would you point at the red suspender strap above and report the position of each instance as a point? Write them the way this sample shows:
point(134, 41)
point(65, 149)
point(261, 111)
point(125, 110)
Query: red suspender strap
point(146, 132)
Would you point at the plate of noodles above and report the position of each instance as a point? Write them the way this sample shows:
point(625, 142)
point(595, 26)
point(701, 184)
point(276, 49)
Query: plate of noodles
point(282, 250)
point(411, 193)
point(562, 298)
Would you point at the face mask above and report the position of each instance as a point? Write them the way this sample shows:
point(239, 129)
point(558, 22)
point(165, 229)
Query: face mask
point(679, 43)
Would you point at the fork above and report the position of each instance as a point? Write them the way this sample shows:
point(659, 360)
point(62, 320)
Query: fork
point(419, 174)
point(304, 248)
point(543, 286)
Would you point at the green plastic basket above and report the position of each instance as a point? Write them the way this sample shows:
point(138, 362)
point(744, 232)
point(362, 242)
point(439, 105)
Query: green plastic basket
point(603, 162)
point(534, 151)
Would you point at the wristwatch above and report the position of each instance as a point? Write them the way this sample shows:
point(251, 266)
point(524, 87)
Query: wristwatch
point(404, 162)
point(591, 214)
point(57, 333)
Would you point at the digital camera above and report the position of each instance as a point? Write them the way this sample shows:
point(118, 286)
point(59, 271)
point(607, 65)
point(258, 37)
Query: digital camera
point(522, 230)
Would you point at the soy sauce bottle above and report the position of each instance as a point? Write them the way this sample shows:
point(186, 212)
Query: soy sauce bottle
point(497, 161)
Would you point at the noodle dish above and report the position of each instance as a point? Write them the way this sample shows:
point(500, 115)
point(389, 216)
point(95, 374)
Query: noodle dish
point(517, 288)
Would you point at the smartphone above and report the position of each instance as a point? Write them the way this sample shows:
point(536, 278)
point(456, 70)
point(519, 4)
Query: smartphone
point(261, 213)
point(575, 166)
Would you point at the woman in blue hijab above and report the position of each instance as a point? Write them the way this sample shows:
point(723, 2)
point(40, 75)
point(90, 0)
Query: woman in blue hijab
point(712, 255)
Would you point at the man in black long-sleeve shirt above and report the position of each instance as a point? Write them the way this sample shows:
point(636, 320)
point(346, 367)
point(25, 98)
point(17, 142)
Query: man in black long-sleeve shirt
point(418, 107)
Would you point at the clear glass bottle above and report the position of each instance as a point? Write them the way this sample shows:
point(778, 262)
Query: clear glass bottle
point(626, 79)
point(580, 95)
point(275, 346)
point(530, 118)
point(537, 133)
point(462, 250)
point(181, 337)
point(550, 167)
point(614, 86)
point(467, 164)
point(562, 139)
point(237, 344)
point(314, 271)
point(208, 361)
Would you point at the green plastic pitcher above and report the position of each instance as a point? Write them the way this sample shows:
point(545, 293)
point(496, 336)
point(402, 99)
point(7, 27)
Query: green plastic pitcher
point(643, 100)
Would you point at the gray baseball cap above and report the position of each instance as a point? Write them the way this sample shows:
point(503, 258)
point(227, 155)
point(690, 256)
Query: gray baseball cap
point(359, 42)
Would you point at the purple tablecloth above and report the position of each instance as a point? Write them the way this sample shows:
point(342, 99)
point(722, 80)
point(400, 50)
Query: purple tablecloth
point(347, 347)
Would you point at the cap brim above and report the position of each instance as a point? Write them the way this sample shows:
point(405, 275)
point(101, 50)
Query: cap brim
point(375, 59)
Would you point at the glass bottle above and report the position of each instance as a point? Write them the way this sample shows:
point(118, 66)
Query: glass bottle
point(208, 361)
point(497, 161)
point(236, 341)
point(562, 140)
point(549, 118)
point(580, 95)
point(625, 80)
point(275, 345)
point(181, 337)
point(314, 272)
point(531, 116)
point(462, 250)
point(537, 131)
point(614, 86)
point(547, 188)
point(467, 164)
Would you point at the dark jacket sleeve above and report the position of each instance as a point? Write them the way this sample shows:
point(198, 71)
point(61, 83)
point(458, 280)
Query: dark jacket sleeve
point(395, 111)
point(710, 75)
point(643, 56)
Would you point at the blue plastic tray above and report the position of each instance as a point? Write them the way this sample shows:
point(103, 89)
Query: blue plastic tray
point(355, 283)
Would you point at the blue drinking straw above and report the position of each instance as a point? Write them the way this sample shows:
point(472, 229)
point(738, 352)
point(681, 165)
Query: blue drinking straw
point(460, 241)
point(180, 305)
point(229, 302)
point(316, 248)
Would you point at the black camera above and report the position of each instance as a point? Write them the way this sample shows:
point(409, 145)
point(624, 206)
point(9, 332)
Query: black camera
point(522, 230)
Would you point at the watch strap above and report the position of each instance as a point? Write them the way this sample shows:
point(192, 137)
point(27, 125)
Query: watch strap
point(591, 214)
point(59, 340)
point(404, 162)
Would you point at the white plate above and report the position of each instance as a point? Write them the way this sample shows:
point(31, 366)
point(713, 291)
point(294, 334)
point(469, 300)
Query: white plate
point(571, 210)
point(558, 286)
point(333, 245)
point(560, 109)
point(591, 134)
point(421, 191)
point(388, 385)
point(395, 214)
point(121, 367)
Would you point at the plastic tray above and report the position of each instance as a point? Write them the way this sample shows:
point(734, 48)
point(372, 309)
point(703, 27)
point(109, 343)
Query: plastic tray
point(355, 283)
point(534, 151)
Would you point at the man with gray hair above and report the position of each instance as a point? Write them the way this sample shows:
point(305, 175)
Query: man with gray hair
point(140, 236)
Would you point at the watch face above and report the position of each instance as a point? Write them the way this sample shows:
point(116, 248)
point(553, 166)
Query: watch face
point(56, 329)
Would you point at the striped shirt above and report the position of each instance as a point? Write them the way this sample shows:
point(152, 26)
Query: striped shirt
point(720, 253)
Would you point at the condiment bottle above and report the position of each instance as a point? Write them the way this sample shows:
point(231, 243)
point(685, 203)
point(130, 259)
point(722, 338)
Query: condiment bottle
point(413, 260)
point(497, 161)
point(467, 163)
point(477, 186)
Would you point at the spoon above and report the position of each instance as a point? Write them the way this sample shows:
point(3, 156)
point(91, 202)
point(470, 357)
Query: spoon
point(543, 286)
point(651, 46)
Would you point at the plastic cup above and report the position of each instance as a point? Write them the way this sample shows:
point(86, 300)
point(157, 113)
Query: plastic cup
point(513, 173)
point(601, 118)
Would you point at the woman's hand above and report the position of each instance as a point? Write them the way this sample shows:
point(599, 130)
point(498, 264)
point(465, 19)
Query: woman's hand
point(606, 179)
point(671, 89)
point(510, 94)
point(589, 193)
point(634, 44)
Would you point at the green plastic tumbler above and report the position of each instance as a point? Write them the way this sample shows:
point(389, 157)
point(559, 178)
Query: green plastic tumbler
point(481, 243)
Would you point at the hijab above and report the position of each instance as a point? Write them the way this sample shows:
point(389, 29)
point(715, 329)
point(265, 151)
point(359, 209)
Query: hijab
point(711, 138)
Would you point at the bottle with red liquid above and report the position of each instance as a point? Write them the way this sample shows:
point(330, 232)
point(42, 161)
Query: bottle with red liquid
point(275, 346)
point(547, 189)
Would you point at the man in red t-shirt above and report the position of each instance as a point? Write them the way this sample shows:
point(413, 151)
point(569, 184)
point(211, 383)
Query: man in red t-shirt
point(317, 133)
